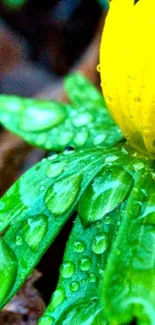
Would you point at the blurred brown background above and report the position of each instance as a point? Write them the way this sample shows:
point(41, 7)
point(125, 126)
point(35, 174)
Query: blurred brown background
point(40, 42)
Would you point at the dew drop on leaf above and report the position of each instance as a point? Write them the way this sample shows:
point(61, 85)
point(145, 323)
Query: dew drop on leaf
point(8, 269)
point(41, 139)
point(68, 151)
point(85, 263)
point(55, 169)
point(110, 158)
point(34, 230)
point(99, 244)
point(67, 269)
point(98, 139)
point(78, 246)
point(52, 156)
point(57, 298)
point(107, 220)
point(92, 277)
point(74, 286)
point(65, 137)
point(135, 209)
point(81, 138)
point(41, 115)
point(107, 191)
point(138, 166)
point(42, 187)
point(62, 194)
point(82, 119)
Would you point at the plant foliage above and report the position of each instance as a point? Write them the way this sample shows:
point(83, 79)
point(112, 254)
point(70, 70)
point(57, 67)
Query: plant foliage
point(54, 126)
point(107, 274)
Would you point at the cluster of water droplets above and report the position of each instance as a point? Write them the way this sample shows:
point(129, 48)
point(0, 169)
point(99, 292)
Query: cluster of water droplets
point(52, 125)
point(79, 272)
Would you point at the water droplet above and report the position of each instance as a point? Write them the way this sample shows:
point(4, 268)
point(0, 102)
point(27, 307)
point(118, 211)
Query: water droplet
point(55, 169)
point(74, 286)
point(19, 240)
point(48, 145)
point(137, 99)
point(85, 263)
point(124, 151)
point(65, 137)
point(138, 166)
point(52, 156)
point(135, 154)
point(92, 277)
point(57, 298)
point(135, 209)
point(109, 99)
point(34, 230)
point(68, 151)
point(78, 246)
point(82, 119)
point(41, 139)
point(107, 220)
point(106, 192)
point(99, 244)
point(99, 139)
point(110, 158)
point(83, 281)
point(39, 115)
point(98, 224)
point(67, 269)
point(46, 320)
point(8, 270)
point(61, 195)
point(98, 68)
point(42, 187)
point(101, 271)
point(80, 138)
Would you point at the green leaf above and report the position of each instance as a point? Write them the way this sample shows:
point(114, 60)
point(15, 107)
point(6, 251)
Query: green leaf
point(76, 299)
point(129, 283)
point(35, 209)
point(82, 92)
point(53, 126)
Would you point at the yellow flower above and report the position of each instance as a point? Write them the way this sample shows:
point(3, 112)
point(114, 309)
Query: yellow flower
point(127, 63)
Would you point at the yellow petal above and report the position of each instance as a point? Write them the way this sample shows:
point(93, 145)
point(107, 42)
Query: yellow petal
point(127, 59)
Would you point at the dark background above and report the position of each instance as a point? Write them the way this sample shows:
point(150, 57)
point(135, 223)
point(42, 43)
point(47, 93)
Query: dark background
point(41, 41)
